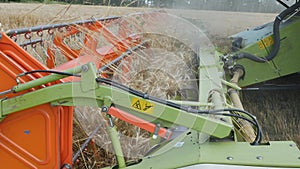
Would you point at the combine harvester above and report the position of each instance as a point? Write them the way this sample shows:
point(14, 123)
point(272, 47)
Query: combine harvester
point(206, 127)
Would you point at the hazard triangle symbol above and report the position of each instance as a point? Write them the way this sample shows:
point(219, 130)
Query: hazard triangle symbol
point(137, 105)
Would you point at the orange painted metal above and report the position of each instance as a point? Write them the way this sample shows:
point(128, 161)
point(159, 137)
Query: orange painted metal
point(162, 132)
point(117, 45)
point(31, 138)
point(39, 137)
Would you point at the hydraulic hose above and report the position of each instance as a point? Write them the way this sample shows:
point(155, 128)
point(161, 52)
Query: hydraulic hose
point(276, 34)
point(219, 112)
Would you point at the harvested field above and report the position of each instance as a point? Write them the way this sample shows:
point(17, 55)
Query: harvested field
point(215, 23)
point(277, 111)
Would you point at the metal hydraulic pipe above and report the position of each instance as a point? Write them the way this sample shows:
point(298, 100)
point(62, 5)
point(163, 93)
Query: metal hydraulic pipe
point(75, 157)
point(245, 127)
point(114, 136)
point(6, 92)
point(31, 42)
point(237, 74)
point(52, 26)
point(191, 103)
point(45, 80)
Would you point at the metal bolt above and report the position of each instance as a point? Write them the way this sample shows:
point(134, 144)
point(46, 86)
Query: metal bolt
point(259, 157)
point(66, 166)
point(229, 158)
point(155, 134)
point(298, 158)
point(292, 145)
point(27, 132)
point(104, 109)
point(84, 68)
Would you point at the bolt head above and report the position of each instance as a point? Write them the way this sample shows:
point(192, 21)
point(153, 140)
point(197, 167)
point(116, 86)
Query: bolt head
point(292, 145)
point(229, 158)
point(259, 157)
point(84, 68)
point(104, 109)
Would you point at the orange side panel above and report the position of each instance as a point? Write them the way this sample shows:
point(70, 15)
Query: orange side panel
point(66, 129)
point(19, 55)
point(30, 138)
point(39, 137)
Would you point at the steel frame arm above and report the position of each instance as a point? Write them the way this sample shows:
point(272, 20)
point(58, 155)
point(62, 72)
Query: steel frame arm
point(89, 92)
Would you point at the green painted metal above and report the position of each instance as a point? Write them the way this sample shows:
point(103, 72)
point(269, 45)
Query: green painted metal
point(44, 80)
point(234, 86)
point(87, 77)
point(211, 88)
point(71, 94)
point(286, 62)
point(114, 136)
point(186, 151)
point(191, 103)
point(180, 152)
point(62, 94)
point(276, 154)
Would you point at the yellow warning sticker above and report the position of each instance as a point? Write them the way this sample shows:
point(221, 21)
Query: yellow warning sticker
point(266, 42)
point(142, 105)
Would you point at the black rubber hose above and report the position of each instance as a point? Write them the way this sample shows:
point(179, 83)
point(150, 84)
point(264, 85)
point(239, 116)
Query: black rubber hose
point(282, 3)
point(49, 71)
point(252, 119)
point(276, 34)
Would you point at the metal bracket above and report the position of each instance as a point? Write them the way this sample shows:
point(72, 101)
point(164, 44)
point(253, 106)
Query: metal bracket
point(1, 111)
point(155, 134)
point(232, 85)
point(88, 76)
point(2, 115)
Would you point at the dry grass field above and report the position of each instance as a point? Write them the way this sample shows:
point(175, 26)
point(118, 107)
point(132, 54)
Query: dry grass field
point(15, 15)
point(277, 111)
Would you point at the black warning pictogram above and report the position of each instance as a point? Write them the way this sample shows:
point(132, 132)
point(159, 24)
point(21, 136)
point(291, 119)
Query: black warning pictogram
point(147, 106)
point(137, 105)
